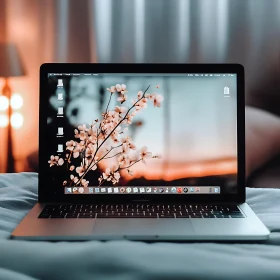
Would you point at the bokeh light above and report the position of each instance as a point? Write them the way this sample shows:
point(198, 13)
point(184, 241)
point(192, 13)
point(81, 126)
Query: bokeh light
point(3, 121)
point(4, 103)
point(16, 101)
point(16, 120)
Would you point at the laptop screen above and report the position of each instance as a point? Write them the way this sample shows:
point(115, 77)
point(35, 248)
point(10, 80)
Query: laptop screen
point(143, 133)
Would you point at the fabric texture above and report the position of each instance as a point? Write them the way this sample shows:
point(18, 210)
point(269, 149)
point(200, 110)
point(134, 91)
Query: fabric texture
point(27, 260)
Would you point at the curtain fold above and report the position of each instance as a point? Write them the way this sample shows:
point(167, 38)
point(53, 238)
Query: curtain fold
point(187, 31)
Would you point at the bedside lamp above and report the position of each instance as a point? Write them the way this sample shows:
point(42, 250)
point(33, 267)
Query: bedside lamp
point(10, 66)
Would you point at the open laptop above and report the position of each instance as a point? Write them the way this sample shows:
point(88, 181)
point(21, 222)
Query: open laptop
point(141, 152)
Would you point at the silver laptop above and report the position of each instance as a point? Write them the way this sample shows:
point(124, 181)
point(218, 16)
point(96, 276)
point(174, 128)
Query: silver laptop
point(141, 152)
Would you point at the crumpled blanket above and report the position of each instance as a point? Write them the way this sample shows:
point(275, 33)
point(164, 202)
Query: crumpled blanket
point(132, 260)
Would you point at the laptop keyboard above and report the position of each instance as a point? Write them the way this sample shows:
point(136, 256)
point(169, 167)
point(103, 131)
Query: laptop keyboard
point(140, 211)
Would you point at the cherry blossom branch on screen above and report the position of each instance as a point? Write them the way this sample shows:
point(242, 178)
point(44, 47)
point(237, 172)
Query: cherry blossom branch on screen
point(95, 142)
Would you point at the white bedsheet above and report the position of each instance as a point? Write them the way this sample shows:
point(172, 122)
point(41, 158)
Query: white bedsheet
point(132, 260)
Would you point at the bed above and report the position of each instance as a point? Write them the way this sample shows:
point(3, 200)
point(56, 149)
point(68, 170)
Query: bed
point(132, 260)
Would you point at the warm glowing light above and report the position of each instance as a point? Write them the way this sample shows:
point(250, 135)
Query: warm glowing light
point(4, 103)
point(3, 121)
point(16, 120)
point(16, 101)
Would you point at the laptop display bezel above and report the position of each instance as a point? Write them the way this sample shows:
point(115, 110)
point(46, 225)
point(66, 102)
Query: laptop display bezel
point(48, 194)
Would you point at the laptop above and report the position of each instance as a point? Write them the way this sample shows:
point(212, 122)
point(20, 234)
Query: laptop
point(141, 152)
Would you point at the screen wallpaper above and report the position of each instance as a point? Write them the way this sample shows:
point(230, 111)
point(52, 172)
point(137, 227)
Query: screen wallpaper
point(142, 133)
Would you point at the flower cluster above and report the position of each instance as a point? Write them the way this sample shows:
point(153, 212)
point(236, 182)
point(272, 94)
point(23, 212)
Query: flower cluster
point(55, 160)
point(107, 139)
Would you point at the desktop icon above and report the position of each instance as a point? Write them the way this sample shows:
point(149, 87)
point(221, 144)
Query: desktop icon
point(216, 190)
point(166, 189)
point(81, 190)
point(60, 148)
point(60, 131)
point(142, 190)
point(68, 190)
point(128, 190)
point(75, 190)
point(173, 190)
point(122, 190)
point(60, 96)
point(197, 189)
point(192, 189)
point(90, 190)
point(161, 190)
point(155, 190)
point(103, 190)
point(179, 190)
point(60, 83)
point(60, 111)
point(185, 189)
point(96, 190)
point(110, 190)
point(116, 190)
point(148, 189)
point(135, 190)
point(226, 90)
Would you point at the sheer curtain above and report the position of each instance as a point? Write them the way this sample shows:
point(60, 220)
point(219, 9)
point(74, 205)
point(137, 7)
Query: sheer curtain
point(241, 31)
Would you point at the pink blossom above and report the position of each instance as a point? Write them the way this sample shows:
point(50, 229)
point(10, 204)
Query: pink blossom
point(122, 98)
point(81, 169)
point(128, 119)
point(74, 179)
point(53, 160)
point(121, 88)
point(123, 160)
point(112, 89)
point(126, 140)
point(115, 177)
point(132, 146)
point(82, 127)
point(141, 104)
point(70, 145)
point(144, 154)
point(72, 167)
point(120, 110)
point(139, 94)
point(84, 183)
point(158, 100)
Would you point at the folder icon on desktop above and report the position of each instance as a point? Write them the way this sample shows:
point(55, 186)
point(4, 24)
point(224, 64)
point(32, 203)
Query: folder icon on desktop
point(60, 96)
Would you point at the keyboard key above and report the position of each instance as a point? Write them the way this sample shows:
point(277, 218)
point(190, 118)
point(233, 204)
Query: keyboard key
point(71, 216)
point(45, 215)
point(56, 216)
point(166, 216)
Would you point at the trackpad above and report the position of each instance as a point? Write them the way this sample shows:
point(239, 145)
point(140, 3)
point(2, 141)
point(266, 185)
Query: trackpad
point(133, 228)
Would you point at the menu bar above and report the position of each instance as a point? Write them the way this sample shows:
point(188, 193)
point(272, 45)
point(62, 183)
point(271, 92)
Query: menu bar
point(146, 74)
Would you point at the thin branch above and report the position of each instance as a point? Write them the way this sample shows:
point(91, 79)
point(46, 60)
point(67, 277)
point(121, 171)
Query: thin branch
point(129, 165)
point(109, 102)
point(113, 155)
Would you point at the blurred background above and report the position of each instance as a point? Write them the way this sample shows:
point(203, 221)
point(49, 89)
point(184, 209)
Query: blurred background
point(185, 31)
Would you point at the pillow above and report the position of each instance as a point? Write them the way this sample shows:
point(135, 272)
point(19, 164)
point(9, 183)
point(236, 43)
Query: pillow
point(262, 138)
